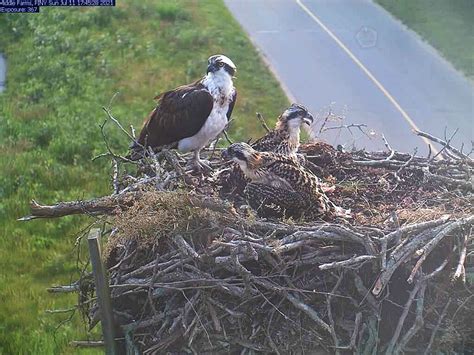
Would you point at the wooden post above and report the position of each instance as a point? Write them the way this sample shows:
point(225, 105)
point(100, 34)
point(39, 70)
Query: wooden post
point(103, 292)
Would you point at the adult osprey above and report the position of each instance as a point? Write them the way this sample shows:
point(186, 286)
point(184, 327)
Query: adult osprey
point(280, 186)
point(191, 116)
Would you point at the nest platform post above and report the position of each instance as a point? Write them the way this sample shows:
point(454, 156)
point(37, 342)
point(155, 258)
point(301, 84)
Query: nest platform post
point(103, 292)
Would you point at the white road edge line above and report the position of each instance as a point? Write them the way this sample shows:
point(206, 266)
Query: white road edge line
point(366, 71)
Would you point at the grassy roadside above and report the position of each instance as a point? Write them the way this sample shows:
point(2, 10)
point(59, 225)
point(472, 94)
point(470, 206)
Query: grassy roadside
point(63, 65)
point(446, 25)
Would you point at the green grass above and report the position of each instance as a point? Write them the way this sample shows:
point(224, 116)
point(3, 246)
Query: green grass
point(63, 65)
point(446, 24)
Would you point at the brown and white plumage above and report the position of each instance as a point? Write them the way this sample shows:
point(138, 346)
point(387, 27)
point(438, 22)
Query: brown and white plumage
point(279, 186)
point(284, 139)
point(192, 115)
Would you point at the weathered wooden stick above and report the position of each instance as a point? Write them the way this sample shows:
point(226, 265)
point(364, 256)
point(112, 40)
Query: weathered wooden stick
point(416, 227)
point(347, 263)
point(113, 119)
point(262, 122)
point(359, 126)
point(406, 251)
point(467, 185)
point(440, 320)
point(56, 311)
point(417, 324)
point(444, 144)
point(428, 248)
point(332, 324)
point(108, 204)
point(101, 205)
point(365, 293)
point(357, 322)
point(86, 343)
point(103, 292)
point(64, 289)
point(184, 247)
point(389, 164)
point(419, 288)
point(389, 147)
point(309, 311)
point(403, 316)
point(460, 269)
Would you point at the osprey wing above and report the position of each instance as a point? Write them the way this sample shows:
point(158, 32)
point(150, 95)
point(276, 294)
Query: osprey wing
point(180, 114)
point(270, 201)
point(275, 141)
point(297, 176)
point(231, 105)
point(268, 143)
point(305, 183)
point(278, 161)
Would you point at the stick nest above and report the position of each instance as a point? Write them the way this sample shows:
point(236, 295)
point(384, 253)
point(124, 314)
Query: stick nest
point(204, 275)
point(193, 271)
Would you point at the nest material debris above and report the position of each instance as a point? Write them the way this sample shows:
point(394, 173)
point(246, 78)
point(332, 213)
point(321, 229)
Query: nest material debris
point(192, 270)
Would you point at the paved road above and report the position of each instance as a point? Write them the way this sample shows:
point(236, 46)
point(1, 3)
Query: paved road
point(354, 54)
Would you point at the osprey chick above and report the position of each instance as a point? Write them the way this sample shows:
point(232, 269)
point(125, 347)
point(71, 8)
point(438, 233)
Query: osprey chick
point(191, 116)
point(279, 186)
point(284, 139)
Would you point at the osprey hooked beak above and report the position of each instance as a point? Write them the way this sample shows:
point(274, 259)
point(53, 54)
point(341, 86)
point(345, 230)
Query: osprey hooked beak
point(299, 112)
point(211, 68)
point(308, 119)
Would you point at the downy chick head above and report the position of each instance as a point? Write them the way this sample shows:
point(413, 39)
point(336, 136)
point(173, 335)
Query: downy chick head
point(242, 154)
point(294, 117)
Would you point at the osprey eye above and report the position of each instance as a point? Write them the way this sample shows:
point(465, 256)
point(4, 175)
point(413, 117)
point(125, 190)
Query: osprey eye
point(221, 64)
